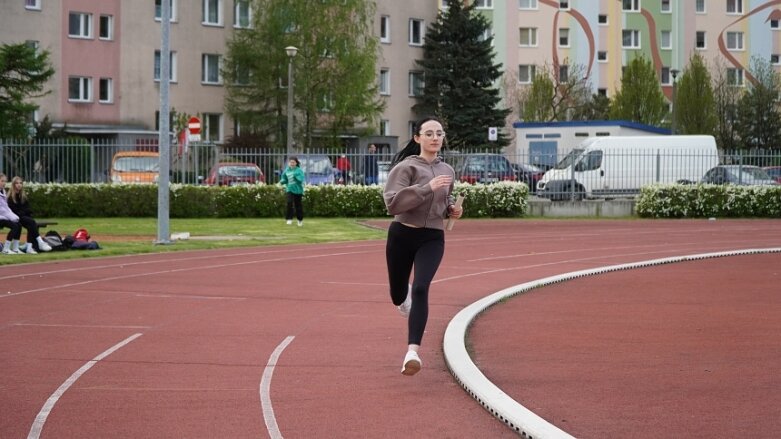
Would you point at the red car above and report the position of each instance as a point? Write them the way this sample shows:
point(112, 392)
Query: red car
point(228, 174)
point(774, 171)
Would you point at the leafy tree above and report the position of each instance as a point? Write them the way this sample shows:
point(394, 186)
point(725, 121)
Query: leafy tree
point(538, 100)
point(335, 80)
point(640, 98)
point(726, 97)
point(695, 111)
point(460, 78)
point(556, 96)
point(596, 108)
point(23, 74)
point(759, 120)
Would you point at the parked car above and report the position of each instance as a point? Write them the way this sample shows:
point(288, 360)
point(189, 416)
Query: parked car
point(484, 168)
point(738, 174)
point(135, 167)
point(774, 172)
point(528, 174)
point(231, 173)
point(317, 168)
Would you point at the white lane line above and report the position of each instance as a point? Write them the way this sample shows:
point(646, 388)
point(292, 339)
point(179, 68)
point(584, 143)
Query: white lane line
point(265, 390)
point(81, 326)
point(179, 270)
point(37, 427)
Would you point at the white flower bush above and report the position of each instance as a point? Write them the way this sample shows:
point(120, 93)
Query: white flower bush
point(707, 200)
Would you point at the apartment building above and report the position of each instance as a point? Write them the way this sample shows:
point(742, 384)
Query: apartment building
point(107, 53)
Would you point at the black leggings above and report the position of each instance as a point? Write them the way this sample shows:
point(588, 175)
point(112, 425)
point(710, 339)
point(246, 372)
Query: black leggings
point(294, 200)
point(32, 228)
point(422, 248)
point(16, 229)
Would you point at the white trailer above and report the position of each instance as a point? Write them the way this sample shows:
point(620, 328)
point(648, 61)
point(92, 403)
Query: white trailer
point(618, 166)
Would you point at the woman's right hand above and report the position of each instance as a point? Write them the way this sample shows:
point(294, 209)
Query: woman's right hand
point(440, 181)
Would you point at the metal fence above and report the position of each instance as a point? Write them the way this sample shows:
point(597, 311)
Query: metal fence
point(91, 161)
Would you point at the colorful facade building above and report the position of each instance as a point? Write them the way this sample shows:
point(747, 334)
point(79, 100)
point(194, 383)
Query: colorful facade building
point(107, 54)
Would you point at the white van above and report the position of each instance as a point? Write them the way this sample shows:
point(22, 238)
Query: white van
point(618, 166)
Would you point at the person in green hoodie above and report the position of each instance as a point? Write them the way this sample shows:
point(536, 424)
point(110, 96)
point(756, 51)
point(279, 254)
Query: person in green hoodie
point(293, 179)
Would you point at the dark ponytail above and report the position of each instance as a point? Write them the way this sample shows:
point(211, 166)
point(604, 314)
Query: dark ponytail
point(412, 147)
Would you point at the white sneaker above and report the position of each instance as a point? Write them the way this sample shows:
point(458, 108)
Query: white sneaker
point(9, 251)
point(289, 222)
point(300, 223)
point(30, 250)
point(412, 364)
point(405, 307)
point(44, 246)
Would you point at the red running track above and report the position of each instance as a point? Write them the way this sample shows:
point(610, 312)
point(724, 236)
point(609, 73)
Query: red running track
point(207, 324)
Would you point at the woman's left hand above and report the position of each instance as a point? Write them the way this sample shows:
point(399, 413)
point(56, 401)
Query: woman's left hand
point(455, 212)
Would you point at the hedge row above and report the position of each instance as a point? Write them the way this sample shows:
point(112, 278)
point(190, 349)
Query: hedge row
point(259, 201)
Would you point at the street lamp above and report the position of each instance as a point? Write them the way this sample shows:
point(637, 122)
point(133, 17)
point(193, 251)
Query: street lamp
point(674, 72)
point(291, 53)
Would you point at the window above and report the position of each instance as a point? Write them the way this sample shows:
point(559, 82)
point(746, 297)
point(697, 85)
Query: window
point(32, 4)
point(527, 4)
point(243, 75)
point(630, 5)
point(775, 59)
point(172, 65)
point(602, 92)
point(563, 73)
point(666, 40)
point(526, 73)
point(416, 83)
point(415, 32)
point(630, 39)
point(79, 25)
point(79, 89)
point(211, 130)
point(699, 6)
point(699, 40)
point(106, 31)
point(210, 73)
point(385, 127)
point(384, 81)
point(385, 36)
point(242, 14)
point(564, 5)
point(325, 104)
point(528, 36)
point(666, 6)
point(735, 40)
point(602, 19)
point(774, 24)
point(665, 76)
point(563, 37)
point(34, 44)
point(602, 56)
point(484, 4)
point(212, 12)
point(735, 77)
point(734, 6)
point(105, 91)
point(159, 9)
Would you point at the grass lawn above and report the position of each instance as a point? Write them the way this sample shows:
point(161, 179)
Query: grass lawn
point(120, 236)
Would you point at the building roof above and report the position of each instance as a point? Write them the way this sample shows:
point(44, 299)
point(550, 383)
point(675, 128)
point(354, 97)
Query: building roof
point(593, 123)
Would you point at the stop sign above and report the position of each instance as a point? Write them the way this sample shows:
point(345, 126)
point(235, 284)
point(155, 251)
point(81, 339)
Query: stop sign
point(194, 125)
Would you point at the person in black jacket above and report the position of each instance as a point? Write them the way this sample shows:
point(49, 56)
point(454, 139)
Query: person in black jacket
point(18, 203)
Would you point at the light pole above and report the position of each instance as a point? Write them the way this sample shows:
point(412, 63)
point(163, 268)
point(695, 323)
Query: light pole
point(291, 53)
point(674, 72)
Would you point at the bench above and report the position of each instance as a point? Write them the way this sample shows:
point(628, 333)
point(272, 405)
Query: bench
point(45, 223)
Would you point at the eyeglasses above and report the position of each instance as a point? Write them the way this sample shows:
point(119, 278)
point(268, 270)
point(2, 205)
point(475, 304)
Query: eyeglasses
point(432, 134)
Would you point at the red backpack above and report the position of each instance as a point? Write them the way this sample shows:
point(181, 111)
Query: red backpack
point(81, 235)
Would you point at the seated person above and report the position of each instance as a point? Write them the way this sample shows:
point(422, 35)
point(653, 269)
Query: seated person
point(9, 219)
point(18, 203)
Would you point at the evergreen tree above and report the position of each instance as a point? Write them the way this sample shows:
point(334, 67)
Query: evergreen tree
point(759, 120)
point(695, 111)
point(23, 74)
point(335, 83)
point(640, 98)
point(460, 79)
